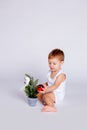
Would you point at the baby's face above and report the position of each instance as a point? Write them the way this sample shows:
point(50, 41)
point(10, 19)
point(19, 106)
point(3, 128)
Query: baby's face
point(54, 64)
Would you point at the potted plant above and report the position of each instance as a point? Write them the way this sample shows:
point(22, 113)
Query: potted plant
point(31, 89)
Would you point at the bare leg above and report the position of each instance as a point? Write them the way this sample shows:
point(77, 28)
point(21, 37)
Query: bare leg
point(49, 99)
point(40, 97)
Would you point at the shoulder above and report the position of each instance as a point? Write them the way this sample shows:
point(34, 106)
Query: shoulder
point(61, 76)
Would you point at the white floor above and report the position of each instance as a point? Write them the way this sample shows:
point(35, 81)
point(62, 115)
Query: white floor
point(16, 114)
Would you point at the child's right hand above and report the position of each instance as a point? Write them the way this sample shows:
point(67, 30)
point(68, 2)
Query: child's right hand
point(40, 87)
point(45, 85)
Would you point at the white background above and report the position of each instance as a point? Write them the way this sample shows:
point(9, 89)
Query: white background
point(29, 30)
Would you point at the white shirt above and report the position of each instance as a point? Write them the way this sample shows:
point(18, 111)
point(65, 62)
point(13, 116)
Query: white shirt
point(60, 91)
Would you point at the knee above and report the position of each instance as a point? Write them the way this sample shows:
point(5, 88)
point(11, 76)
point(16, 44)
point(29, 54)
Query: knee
point(44, 97)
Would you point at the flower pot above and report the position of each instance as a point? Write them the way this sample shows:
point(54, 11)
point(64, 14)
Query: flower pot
point(32, 101)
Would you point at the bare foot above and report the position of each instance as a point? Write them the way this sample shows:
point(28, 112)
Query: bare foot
point(49, 109)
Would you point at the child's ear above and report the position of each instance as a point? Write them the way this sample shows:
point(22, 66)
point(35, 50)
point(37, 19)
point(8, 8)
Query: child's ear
point(62, 62)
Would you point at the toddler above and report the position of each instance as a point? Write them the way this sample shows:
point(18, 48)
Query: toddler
point(54, 89)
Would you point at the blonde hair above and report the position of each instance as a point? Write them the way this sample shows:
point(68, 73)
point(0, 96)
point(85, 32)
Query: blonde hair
point(56, 53)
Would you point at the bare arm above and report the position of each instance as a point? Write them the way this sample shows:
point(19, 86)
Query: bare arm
point(57, 83)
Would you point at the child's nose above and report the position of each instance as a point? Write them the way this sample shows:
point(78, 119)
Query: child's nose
point(51, 65)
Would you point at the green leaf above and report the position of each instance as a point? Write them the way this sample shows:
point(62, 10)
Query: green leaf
point(31, 88)
point(36, 82)
point(28, 76)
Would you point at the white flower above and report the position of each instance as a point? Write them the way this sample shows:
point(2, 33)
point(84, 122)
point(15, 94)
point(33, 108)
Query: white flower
point(27, 80)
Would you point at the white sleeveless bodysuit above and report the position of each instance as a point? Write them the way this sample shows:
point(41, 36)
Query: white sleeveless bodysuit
point(60, 91)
